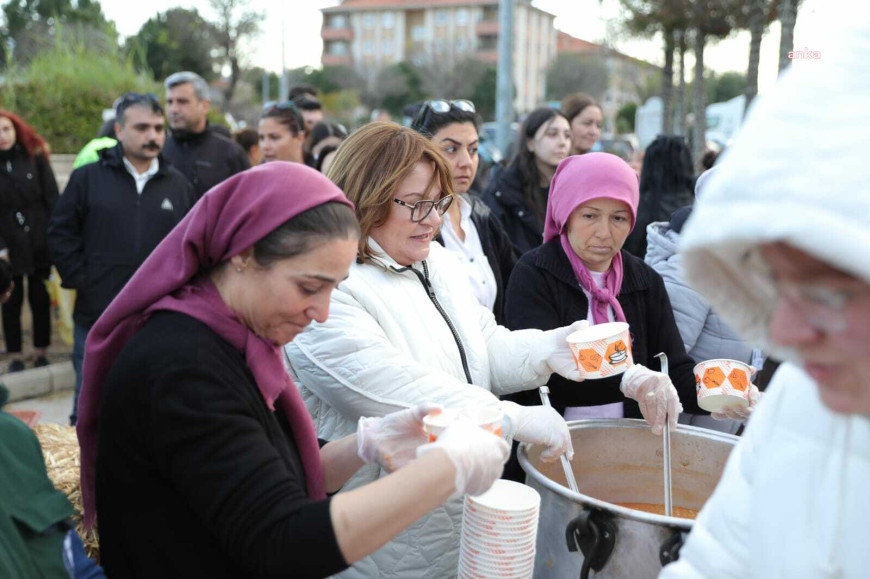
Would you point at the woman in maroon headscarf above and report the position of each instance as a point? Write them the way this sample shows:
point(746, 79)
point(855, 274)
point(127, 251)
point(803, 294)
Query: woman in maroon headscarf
point(198, 456)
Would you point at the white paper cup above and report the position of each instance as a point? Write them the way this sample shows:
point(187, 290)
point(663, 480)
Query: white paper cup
point(722, 384)
point(602, 350)
point(489, 419)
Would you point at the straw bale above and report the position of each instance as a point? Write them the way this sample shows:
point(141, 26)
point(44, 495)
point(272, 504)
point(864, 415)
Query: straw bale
point(60, 448)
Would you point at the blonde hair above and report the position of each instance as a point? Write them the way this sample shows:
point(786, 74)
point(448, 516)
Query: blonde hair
point(372, 163)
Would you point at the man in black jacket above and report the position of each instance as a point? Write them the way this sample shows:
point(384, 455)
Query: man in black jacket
point(205, 157)
point(113, 213)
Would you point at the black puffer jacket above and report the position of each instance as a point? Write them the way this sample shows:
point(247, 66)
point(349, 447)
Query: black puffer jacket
point(497, 248)
point(504, 197)
point(102, 229)
point(28, 192)
point(205, 158)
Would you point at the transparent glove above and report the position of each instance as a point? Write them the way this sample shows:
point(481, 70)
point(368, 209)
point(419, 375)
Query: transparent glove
point(391, 441)
point(655, 394)
point(739, 412)
point(561, 360)
point(478, 456)
point(539, 425)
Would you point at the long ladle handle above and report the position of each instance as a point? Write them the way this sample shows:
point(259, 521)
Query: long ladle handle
point(666, 449)
point(566, 464)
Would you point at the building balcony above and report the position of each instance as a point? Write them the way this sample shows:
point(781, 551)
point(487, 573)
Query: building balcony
point(328, 34)
point(486, 28)
point(336, 60)
point(487, 55)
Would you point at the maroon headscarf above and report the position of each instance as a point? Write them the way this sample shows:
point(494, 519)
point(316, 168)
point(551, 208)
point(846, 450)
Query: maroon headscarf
point(579, 179)
point(228, 219)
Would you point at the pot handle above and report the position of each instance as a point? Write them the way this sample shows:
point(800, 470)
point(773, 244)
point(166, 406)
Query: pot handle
point(593, 534)
point(670, 549)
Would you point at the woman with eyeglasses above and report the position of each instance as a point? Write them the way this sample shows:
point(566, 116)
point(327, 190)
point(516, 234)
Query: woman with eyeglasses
point(405, 328)
point(470, 231)
point(282, 134)
point(517, 195)
point(28, 191)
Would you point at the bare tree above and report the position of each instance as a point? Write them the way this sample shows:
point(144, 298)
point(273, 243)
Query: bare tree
point(787, 17)
point(757, 9)
point(232, 27)
point(570, 73)
point(680, 116)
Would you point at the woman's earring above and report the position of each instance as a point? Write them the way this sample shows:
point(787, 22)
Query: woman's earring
point(238, 269)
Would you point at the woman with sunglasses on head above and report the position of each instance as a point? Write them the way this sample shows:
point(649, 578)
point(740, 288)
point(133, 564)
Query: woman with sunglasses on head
point(27, 194)
point(470, 230)
point(405, 328)
point(282, 134)
point(517, 195)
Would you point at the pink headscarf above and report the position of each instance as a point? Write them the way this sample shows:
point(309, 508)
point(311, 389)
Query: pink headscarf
point(228, 219)
point(579, 179)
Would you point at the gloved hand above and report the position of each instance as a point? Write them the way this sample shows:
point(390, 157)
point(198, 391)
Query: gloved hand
point(655, 394)
point(477, 454)
point(561, 360)
point(391, 441)
point(739, 412)
point(539, 425)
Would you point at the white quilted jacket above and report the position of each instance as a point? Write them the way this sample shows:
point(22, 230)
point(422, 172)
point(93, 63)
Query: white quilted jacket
point(386, 347)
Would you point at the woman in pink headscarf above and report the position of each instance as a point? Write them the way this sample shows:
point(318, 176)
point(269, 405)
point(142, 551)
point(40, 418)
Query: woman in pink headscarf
point(199, 458)
point(582, 272)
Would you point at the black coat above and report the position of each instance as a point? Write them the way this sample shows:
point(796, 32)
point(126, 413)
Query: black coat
point(497, 248)
point(543, 293)
point(205, 158)
point(102, 229)
point(28, 192)
point(196, 477)
point(653, 207)
point(504, 197)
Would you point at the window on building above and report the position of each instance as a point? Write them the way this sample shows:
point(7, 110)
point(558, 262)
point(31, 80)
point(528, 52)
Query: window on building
point(418, 34)
point(462, 16)
point(337, 21)
point(441, 17)
point(387, 47)
point(369, 47)
point(388, 19)
point(338, 48)
point(369, 21)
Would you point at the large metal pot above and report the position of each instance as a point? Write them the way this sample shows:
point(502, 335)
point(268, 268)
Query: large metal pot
point(619, 461)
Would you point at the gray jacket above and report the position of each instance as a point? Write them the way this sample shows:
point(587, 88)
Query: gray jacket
point(704, 333)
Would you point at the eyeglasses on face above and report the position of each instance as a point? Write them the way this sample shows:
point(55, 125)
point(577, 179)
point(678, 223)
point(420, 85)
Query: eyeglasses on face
point(421, 209)
point(822, 308)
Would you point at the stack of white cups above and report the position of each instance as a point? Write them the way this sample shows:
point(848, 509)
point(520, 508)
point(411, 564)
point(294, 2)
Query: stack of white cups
point(499, 529)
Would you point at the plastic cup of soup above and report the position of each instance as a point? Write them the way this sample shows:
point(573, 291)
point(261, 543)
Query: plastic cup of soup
point(489, 419)
point(722, 384)
point(602, 350)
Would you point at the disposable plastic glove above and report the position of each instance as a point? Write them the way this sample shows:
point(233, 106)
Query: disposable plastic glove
point(391, 441)
point(539, 425)
point(739, 412)
point(655, 394)
point(561, 360)
point(478, 456)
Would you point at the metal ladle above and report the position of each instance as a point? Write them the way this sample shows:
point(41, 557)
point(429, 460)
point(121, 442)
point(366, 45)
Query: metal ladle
point(566, 464)
point(669, 507)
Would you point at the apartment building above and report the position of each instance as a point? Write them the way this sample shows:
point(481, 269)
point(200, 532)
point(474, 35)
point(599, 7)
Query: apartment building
point(371, 34)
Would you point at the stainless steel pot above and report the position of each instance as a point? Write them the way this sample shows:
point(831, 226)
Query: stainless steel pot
point(619, 461)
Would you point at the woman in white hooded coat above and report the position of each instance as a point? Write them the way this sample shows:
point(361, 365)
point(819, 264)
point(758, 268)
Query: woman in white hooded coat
point(779, 245)
point(405, 328)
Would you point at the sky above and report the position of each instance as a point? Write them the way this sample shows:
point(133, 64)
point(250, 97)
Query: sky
point(592, 20)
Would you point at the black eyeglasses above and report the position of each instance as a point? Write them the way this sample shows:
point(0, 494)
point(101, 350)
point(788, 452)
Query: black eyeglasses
point(440, 107)
point(286, 105)
point(421, 209)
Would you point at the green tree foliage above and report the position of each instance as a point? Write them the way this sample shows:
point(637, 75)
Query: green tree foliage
point(483, 94)
point(395, 87)
point(32, 25)
point(41, 94)
point(178, 39)
point(625, 118)
point(571, 73)
point(727, 86)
